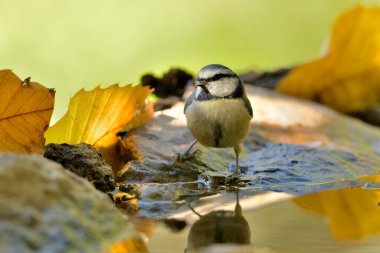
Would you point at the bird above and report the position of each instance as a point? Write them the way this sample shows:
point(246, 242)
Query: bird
point(218, 112)
point(226, 229)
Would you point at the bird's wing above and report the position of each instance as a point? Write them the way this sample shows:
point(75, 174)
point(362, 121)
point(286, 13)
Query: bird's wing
point(247, 104)
point(189, 101)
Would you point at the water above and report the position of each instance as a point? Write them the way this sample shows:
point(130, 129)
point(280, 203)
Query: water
point(339, 220)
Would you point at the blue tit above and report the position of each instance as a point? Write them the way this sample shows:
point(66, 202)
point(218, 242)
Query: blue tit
point(218, 112)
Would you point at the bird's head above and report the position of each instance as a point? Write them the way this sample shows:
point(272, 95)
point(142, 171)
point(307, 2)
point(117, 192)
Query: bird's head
point(217, 81)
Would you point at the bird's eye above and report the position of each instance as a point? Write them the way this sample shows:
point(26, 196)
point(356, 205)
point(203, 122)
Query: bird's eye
point(219, 76)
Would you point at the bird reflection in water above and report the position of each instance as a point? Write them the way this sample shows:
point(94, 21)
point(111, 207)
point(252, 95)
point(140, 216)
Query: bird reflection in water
point(220, 231)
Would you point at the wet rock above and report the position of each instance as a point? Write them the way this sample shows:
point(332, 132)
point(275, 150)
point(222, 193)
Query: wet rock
point(45, 208)
point(294, 145)
point(157, 171)
point(85, 161)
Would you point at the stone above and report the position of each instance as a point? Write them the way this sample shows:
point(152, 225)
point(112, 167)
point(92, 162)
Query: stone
point(83, 160)
point(45, 208)
point(294, 146)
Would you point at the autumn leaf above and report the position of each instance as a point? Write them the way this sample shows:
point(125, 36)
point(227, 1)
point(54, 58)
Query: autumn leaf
point(25, 111)
point(348, 77)
point(131, 245)
point(126, 202)
point(96, 116)
point(145, 229)
point(117, 151)
point(353, 212)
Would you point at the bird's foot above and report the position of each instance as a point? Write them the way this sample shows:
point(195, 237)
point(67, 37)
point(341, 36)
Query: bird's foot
point(243, 169)
point(238, 171)
point(236, 178)
point(179, 157)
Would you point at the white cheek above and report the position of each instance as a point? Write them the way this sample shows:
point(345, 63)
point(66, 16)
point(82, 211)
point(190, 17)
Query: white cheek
point(222, 87)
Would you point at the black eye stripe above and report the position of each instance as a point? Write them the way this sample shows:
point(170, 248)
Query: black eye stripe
point(217, 77)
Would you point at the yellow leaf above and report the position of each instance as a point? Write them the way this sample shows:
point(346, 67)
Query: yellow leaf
point(118, 151)
point(144, 227)
point(126, 202)
point(96, 116)
point(134, 244)
point(25, 112)
point(353, 212)
point(348, 77)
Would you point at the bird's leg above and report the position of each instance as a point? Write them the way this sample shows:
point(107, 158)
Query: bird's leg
point(238, 210)
point(193, 210)
point(187, 152)
point(180, 156)
point(237, 150)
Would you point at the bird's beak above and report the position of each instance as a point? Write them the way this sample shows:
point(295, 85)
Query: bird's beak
point(200, 87)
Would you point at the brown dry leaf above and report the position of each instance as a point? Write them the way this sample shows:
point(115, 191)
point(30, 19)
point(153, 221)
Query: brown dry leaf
point(348, 77)
point(25, 111)
point(353, 212)
point(96, 116)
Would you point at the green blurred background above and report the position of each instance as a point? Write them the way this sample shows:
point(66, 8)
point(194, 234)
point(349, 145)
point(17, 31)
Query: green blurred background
point(70, 44)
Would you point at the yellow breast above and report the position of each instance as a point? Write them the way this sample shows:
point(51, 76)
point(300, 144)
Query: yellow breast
point(218, 123)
